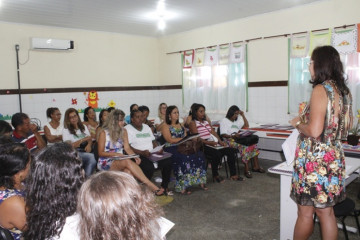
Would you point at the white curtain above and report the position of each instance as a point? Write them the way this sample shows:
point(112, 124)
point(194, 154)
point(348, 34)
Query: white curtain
point(216, 87)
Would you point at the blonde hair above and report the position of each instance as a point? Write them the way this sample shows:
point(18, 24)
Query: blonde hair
point(159, 109)
point(112, 124)
point(112, 205)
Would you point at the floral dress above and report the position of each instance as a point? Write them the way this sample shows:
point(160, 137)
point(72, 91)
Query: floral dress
point(319, 168)
point(188, 169)
point(5, 194)
point(105, 162)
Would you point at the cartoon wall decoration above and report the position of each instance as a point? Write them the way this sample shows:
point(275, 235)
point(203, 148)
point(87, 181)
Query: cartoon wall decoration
point(112, 103)
point(74, 101)
point(92, 99)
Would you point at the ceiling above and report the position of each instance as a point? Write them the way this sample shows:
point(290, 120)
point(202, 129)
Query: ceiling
point(135, 16)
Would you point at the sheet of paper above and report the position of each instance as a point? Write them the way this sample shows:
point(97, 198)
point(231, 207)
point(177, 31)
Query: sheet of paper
point(165, 226)
point(289, 146)
point(157, 149)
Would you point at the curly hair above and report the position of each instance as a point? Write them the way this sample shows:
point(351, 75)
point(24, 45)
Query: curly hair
point(112, 205)
point(51, 190)
point(328, 66)
point(112, 124)
point(13, 158)
point(169, 109)
point(67, 123)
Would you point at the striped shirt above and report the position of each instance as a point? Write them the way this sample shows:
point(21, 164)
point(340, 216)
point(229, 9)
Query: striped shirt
point(204, 129)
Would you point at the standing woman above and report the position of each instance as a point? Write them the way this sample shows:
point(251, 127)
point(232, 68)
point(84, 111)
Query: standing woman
point(318, 181)
point(90, 121)
point(229, 130)
point(14, 167)
point(53, 129)
point(78, 135)
point(200, 125)
point(51, 194)
point(113, 142)
point(188, 169)
point(160, 119)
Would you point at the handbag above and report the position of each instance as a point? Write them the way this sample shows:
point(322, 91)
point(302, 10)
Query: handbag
point(82, 147)
point(190, 147)
point(248, 140)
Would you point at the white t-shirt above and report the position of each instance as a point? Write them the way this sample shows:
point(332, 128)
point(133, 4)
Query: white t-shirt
point(55, 131)
point(158, 121)
point(68, 137)
point(141, 140)
point(228, 127)
point(70, 230)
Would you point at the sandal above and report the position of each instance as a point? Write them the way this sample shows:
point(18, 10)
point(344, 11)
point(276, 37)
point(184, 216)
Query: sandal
point(219, 179)
point(248, 174)
point(185, 192)
point(259, 170)
point(203, 186)
point(236, 178)
point(159, 192)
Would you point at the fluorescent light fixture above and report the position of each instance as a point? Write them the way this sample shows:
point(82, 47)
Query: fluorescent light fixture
point(161, 24)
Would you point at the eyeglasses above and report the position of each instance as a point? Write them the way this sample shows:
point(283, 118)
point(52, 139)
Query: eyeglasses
point(309, 63)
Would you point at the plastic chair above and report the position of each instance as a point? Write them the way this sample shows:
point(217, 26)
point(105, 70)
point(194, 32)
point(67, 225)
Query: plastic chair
point(5, 234)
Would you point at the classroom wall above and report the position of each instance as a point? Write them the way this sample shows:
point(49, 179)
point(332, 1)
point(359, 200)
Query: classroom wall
point(99, 59)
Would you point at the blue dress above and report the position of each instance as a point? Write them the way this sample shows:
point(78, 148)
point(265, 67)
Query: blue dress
point(189, 170)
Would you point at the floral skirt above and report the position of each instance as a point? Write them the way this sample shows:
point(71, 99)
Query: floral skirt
point(189, 170)
point(247, 152)
point(319, 174)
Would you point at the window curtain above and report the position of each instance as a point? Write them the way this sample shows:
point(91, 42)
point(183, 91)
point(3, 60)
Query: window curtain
point(352, 69)
point(217, 87)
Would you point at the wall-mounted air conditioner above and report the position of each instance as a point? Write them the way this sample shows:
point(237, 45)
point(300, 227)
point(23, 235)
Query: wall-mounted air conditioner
point(51, 44)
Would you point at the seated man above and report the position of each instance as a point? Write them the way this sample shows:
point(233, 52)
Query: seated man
point(141, 140)
point(26, 132)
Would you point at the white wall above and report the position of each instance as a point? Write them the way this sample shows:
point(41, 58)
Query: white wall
point(99, 59)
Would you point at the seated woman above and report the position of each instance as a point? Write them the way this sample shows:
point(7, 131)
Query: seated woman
point(145, 112)
point(132, 107)
point(102, 118)
point(76, 134)
point(14, 167)
point(112, 205)
point(188, 169)
point(53, 129)
point(229, 130)
point(51, 194)
point(90, 121)
point(160, 119)
point(200, 125)
point(113, 142)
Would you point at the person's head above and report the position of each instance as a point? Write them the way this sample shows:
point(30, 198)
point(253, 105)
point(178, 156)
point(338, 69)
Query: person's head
point(53, 113)
point(233, 113)
point(162, 109)
point(103, 116)
point(6, 139)
point(325, 64)
point(5, 128)
point(89, 113)
point(136, 118)
point(110, 109)
point(172, 114)
point(112, 205)
point(114, 124)
point(21, 122)
point(198, 112)
point(145, 112)
point(191, 108)
point(72, 121)
point(51, 190)
point(14, 164)
point(133, 107)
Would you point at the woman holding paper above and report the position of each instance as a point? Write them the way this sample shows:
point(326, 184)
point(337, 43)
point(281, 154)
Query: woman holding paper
point(318, 181)
point(188, 169)
point(113, 143)
point(229, 130)
point(199, 124)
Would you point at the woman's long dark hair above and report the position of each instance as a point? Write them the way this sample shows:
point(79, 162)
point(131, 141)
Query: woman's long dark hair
point(86, 111)
point(55, 178)
point(67, 123)
point(328, 66)
point(13, 158)
point(232, 110)
point(101, 122)
point(168, 112)
point(194, 110)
